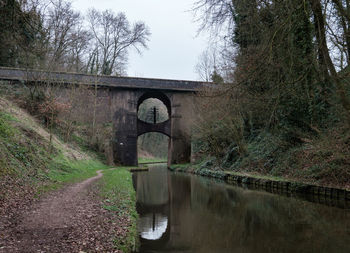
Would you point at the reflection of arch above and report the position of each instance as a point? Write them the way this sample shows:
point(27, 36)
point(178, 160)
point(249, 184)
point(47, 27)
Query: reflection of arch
point(153, 225)
point(163, 127)
point(156, 244)
point(151, 184)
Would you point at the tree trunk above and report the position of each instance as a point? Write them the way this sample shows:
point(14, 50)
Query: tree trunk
point(319, 20)
point(345, 20)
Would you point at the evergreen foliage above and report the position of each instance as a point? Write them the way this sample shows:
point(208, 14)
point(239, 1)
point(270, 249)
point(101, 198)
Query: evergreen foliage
point(21, 35)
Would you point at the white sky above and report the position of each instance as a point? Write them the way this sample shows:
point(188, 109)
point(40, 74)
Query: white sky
point(174, 46)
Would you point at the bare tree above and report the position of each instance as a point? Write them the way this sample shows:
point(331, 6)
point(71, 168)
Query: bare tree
point(65, 33)
point(207, 64)
point(78, 49)
point(324, 53)
point(215, 14)
point(113, 38)
point(339, 27)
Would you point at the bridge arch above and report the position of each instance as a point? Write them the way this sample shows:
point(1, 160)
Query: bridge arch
point(128, 126)
point(164, 127)
point(153, 144)
point(158, 95)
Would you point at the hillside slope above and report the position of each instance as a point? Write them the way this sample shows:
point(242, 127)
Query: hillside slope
point(32, 160)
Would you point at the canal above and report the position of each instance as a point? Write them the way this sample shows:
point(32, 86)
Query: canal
point(187, 213)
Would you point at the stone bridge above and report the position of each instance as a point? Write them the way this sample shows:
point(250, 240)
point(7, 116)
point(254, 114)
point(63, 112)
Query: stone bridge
point(125, 95)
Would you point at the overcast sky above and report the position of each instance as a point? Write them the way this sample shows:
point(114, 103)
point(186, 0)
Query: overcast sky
point(174, 46)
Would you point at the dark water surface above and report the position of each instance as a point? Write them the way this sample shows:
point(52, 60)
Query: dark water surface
point(186, 213)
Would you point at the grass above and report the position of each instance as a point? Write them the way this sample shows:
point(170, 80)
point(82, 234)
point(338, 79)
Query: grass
point(119, 196)
point(6, 130)
point(152, 160)
point(63, 170)
point(18, 154)
point(24, 154)
point(116, 190)
point(66, 170)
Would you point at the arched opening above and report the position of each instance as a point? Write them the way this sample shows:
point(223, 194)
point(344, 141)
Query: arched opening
point(151, 100)
point(153, 113)
point(152, 147)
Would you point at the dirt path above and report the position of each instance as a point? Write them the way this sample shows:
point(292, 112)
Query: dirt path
point(69, 220)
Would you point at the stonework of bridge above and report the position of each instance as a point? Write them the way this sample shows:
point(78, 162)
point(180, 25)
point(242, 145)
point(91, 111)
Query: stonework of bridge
point(124, 97)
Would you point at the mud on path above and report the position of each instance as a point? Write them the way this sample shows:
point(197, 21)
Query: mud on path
point(68, 220)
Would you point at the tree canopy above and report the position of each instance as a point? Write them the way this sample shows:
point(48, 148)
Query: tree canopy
point(54, 36)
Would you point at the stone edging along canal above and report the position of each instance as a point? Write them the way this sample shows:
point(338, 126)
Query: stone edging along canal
point(314, 193)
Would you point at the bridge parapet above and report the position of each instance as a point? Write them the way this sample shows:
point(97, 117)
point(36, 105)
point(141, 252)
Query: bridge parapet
point(99, 80)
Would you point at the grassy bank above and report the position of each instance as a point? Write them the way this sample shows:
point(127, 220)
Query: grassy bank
point(119, 197)
point(62, 171)
point(152, 160)
point(34, 161)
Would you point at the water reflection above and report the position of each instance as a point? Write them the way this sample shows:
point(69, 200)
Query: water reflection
point(183, 213)
point(152, 226)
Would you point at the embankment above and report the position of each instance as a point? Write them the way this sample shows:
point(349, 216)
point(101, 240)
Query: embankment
point(311, 192)
point(35, 164)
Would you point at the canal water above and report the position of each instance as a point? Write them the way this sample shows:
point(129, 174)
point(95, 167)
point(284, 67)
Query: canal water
point(187, 213)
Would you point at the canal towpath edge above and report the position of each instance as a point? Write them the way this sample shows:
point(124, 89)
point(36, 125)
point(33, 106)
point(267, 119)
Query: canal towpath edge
point(73, 219)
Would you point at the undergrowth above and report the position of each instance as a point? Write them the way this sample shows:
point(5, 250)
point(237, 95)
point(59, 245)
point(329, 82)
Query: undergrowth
point(322, 159)
point(29, 160)
point(20, 154)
